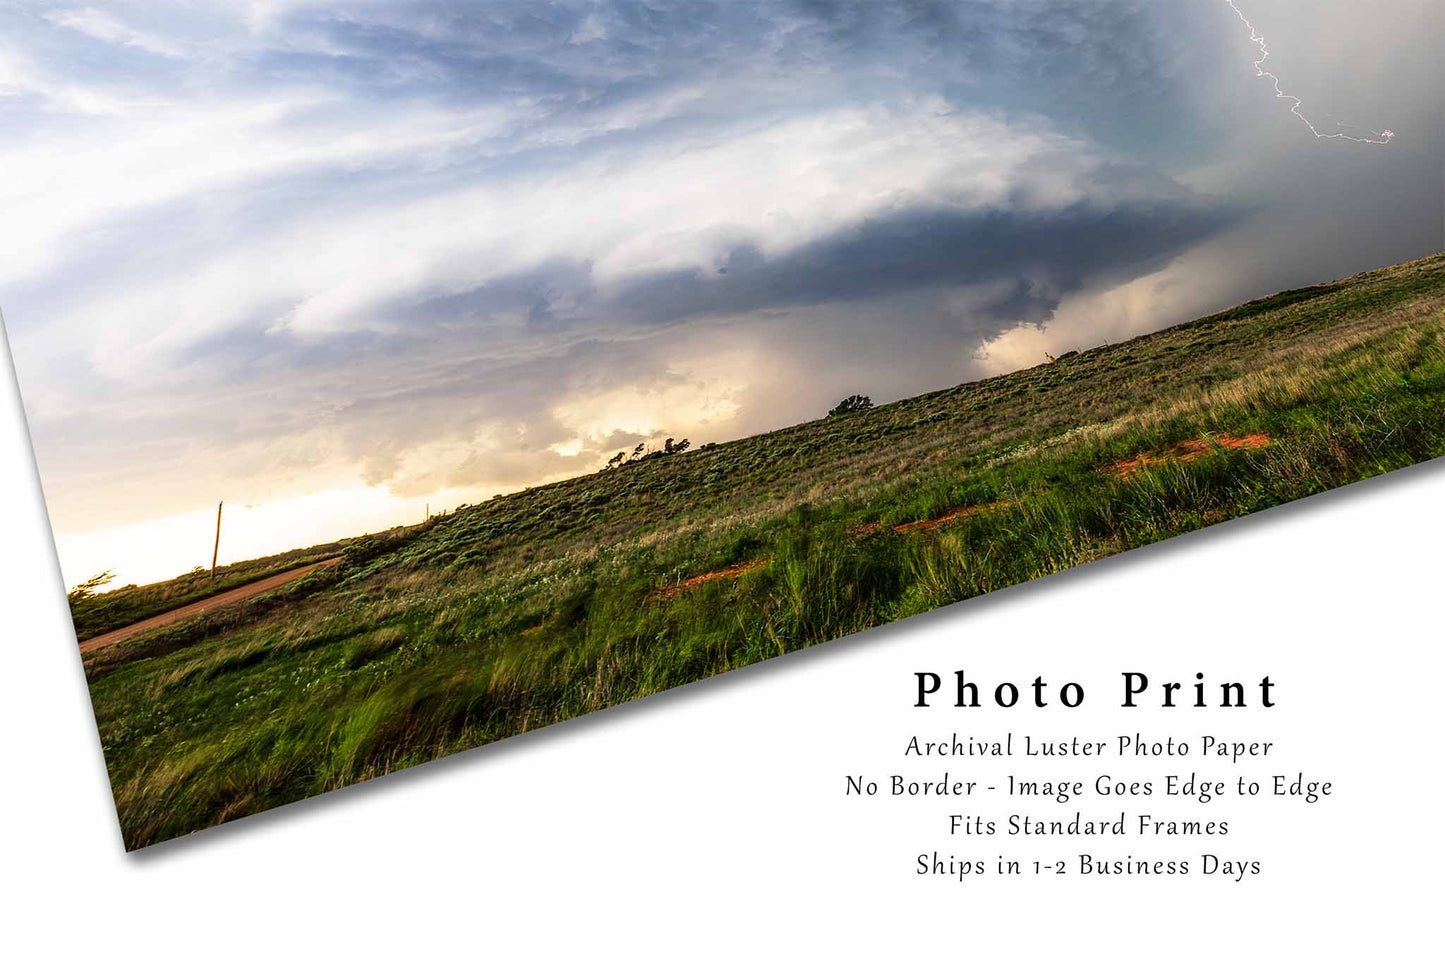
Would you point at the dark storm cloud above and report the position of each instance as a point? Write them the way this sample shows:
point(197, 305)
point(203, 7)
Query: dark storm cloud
point(260, 239)
point(1061, 251)
point(1040, 257)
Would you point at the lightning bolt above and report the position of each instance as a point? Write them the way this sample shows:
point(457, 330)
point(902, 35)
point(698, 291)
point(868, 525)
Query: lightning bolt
point(1374, 137)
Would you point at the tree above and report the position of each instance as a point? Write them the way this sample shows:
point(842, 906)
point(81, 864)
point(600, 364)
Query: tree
point(87, 589)
point(641, 454)
point(851, 404)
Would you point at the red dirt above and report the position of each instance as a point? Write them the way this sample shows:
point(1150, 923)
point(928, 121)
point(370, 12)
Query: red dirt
point(927, 525)
point(948, 518)
point(1189, 451)
point(731, 572)
point(865, 529)
point(230, 597)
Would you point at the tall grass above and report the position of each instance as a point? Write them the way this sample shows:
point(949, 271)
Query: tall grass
point(503, 617)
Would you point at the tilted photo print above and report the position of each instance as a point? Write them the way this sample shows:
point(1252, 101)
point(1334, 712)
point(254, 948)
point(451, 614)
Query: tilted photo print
point(407, 376)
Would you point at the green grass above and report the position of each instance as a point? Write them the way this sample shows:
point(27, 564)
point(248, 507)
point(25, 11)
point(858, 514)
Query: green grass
point(567, 598)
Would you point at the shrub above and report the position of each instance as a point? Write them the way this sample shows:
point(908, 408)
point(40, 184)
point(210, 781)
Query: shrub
point(851, 404)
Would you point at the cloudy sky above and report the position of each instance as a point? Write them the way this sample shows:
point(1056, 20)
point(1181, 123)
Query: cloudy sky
point(332, 262)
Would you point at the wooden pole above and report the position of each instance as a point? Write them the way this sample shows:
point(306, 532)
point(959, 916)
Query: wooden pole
point(216, 552)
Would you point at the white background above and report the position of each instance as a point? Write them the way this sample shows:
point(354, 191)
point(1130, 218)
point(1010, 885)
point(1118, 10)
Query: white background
point(712, 821)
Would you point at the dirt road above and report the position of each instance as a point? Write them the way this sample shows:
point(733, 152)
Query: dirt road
point(228, 598)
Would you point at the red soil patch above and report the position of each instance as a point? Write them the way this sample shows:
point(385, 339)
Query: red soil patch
point(927, 525)
point(1189, 451)
point(865, 529)
point(731, 573)
point(948, 518)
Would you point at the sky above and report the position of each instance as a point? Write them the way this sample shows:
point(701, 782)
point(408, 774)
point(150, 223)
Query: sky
point(336, 263)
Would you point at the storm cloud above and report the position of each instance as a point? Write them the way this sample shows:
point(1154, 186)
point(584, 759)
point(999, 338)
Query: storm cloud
point(270, 249)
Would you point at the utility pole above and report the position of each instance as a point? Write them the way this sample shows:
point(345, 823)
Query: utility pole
point(215, 553)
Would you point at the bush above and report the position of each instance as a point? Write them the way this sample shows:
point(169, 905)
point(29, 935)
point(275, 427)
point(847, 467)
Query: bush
point(851, 404)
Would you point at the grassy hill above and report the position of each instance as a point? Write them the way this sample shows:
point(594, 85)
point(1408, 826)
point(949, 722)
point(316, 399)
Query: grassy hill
point(567, 598)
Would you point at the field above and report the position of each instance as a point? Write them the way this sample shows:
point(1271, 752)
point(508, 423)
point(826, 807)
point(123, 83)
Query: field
point(539, 606)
